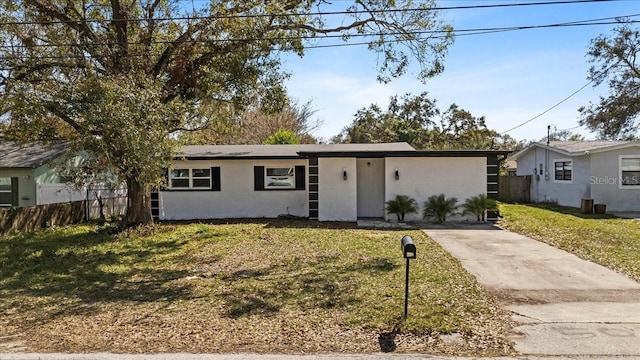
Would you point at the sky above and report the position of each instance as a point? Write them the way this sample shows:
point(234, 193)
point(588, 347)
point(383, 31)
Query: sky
point(508, 77)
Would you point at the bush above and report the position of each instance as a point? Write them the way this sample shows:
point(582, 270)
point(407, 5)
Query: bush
point(478, 205)
point(440, 207)
point(401, 205)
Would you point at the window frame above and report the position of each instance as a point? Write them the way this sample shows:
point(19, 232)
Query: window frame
point(621, 177)
point(563, 181)
point(10, 191)
point(291, 178)
point(190, 178)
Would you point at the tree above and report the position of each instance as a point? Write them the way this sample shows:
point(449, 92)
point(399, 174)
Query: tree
point(120, 79)
point(478, 205)
point(282, 136)
point(614, 59)
point(417, 120)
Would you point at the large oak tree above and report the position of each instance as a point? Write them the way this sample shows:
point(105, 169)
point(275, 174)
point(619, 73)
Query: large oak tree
point(119, 79)
point(614, 60)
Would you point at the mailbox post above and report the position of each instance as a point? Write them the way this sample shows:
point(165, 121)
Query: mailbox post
point(409, 252)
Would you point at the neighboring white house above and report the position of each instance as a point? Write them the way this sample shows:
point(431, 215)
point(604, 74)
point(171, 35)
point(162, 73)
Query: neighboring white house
point(566, 172)
point(328, 182)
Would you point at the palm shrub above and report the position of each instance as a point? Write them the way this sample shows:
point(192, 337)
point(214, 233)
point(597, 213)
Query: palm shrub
point(401, 205)
point(478, 205)
point(440, 207)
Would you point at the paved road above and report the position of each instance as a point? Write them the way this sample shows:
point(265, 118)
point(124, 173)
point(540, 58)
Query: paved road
point(564, 305)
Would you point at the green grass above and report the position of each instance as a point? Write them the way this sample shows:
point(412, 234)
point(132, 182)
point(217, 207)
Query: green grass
point(257, 287)
point(604, 239)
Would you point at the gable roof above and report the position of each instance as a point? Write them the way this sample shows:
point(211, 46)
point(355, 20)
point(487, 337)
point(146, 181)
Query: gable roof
point(30, 155)
point(195, 152)
point(577, 148)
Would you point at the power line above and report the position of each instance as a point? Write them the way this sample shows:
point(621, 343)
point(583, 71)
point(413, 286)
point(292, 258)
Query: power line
point(549, 109)
point(456, 33)
point(319, 13)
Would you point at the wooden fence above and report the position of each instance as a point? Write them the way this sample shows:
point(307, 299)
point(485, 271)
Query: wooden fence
point(515, 189)
point(28, 219)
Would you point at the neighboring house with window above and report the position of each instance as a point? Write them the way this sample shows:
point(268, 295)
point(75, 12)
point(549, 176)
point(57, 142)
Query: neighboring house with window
point(328, 182)
point(568, 171)
point(23, 168)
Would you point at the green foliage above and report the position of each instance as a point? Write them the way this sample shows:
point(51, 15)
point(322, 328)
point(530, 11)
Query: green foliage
point(439, 207)
point(418, 121)
point(478, 205)
point(401, 205)
point(614, 60)
point(282, 136)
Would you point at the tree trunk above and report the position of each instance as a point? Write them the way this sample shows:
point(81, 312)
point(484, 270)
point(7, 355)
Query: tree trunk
point(138, 203)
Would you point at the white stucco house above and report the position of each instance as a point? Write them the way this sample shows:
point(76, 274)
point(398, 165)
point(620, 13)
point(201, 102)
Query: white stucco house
point(566, 172)
point(327, 182)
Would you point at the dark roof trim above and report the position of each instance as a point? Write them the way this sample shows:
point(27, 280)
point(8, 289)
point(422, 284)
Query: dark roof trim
point(420, 153)
point(359, 154)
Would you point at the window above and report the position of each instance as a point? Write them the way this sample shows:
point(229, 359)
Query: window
point(563, 170)
point(629, 171)
point(8, 191)
point(279, 178)
point(193, 178)
point(285, 178)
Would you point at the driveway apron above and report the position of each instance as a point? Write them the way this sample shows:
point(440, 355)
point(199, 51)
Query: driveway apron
point(563, 305)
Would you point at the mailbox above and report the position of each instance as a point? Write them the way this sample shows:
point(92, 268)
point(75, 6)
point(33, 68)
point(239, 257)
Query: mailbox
point(408, 247)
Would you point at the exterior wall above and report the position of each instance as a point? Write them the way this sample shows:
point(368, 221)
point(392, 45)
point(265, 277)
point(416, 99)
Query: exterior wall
point(237, 198)
point(543, 186)
point(337, 197)
point(419, 178)
point(26, 185)
point(605, 180)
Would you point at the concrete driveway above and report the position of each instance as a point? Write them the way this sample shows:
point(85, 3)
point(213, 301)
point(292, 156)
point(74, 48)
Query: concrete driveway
point(564, 305)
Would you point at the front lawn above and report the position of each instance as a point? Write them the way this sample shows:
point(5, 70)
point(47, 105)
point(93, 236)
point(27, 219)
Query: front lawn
point(604, 239)
point(267, 287)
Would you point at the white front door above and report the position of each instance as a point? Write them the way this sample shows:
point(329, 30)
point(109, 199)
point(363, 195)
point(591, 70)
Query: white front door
point(370, 187)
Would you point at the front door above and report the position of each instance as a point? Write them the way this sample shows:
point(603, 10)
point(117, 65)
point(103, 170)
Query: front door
point(370, 188)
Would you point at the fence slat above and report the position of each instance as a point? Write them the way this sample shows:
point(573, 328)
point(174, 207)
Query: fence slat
point(515, 189)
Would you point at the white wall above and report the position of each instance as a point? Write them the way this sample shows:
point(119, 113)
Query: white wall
point(544, 188)
point(237, 198)
point(460, 177)
point(605, 180)
point(337, 197)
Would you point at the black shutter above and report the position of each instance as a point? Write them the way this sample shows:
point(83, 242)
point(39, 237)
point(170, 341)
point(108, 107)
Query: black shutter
point(14, 191)
point(300, 178)
point(258, 178)
point(215, 178)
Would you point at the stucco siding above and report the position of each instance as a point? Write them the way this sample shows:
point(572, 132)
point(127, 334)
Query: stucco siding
point(237, 197)
point(337, 197)
point(419, 178)
point(545, 188)
point(605, 180)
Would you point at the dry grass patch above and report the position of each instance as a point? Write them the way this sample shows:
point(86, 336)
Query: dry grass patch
point(604, 239)
point(269, 287)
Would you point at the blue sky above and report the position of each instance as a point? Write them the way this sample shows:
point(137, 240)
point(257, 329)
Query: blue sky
point(507, 77)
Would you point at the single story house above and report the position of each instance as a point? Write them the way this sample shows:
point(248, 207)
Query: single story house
point(22, 168)
point(566, 172)
point(327, 182)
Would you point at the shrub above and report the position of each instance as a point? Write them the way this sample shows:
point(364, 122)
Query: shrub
point(401, 205)
point(440, 207)
point(478, 205)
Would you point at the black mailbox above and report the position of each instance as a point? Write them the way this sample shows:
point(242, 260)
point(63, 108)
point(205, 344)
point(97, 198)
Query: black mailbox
point(408, 247)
